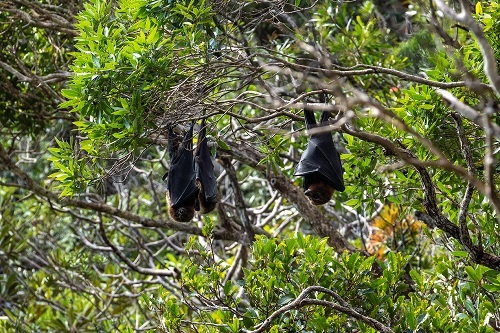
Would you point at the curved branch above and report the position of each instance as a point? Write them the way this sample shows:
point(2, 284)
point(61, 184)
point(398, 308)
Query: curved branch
point(442, 161)
point(368, 69)
point(430, 198)
point(36, 81)
point(239, 200)
point(134, 267)
point(468, 112)
point(45, 19)
point(302, 301)
point(469, 190)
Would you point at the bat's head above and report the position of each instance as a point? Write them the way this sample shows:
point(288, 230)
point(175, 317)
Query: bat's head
point(319, 193)
point(181, 214)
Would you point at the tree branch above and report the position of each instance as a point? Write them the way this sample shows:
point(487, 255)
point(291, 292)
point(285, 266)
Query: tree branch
point(430, 199)
point(32, 186)
point(468, 112)
point(465, 18)
point(134, 267)
point(469, 190)
point(302, 301)
point(239, 200)
point(39, 18)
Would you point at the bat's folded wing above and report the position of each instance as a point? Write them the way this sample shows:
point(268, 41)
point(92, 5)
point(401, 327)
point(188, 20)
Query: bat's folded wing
point(205, 168)
point(321, 157)
point(205, 174)
point(181, 180)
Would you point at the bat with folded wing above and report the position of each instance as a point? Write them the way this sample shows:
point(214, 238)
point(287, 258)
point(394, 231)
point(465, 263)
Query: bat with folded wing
point(320, 164)
point(182, 191)
point(205, 176)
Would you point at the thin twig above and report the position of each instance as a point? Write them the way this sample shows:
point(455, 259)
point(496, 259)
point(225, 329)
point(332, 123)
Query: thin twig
point(134, 267)
point(469, 190)
point(468, 112)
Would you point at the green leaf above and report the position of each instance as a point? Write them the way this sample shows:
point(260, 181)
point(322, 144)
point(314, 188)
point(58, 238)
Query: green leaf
point(410, 319)
point(493, 288)
point(421, 318)
point(471, 308)
point(227, 288)
point(416, 277)
point(71, 93)
point(353, 202)
point(460, 254)
point(223, 145)
point(472, 274)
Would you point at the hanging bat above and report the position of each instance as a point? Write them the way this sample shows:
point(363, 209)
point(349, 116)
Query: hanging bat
point(205, 176)
point(320, 164)
point(182, 191)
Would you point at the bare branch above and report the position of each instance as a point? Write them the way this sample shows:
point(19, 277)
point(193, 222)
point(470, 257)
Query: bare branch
point(465, 18)
point(138, 269)
point(31, 185)
point(464, 206)
point(240, 202)
point(39, 17)
point(368, 69)
point(302, 301)
point(468, 112)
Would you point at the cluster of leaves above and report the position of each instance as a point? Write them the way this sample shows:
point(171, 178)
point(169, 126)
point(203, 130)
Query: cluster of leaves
point(45, 274)
point(140, 65)
point(281, 270)
point(126, 60)
point(27, 109)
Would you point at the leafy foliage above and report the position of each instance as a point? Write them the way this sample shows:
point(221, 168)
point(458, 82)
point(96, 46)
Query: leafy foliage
point(89, 89)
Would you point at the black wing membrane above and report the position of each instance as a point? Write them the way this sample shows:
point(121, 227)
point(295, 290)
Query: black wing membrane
point(181, 178)
point(320, 157)
point(205, 169)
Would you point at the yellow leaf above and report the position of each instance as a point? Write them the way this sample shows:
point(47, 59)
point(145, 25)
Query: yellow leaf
point(479, 9)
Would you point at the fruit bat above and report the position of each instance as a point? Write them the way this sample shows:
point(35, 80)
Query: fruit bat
point(320, 164)
point(205, 176)
point(182, 191)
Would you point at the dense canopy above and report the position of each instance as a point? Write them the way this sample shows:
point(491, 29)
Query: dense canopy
point(90, 89)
